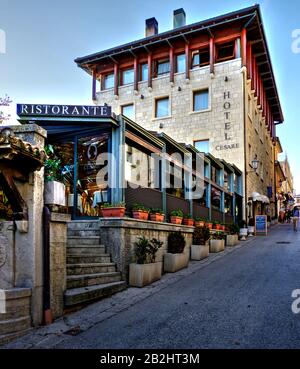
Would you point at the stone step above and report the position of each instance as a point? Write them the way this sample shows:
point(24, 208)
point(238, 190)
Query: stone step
point(86, 251)
point(77, 296)
point(76, 281)
point(83, 225)
point(91, 268)
point(83, 233)
point(76, 240)
point(15, 325)
point(86, 259)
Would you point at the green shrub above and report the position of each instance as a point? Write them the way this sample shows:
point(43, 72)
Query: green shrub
point(234, 229)
point(145, 250)
point(139, 207)
point(176, 243)
point(177, 213)
point(201, 235)
point(154, 246)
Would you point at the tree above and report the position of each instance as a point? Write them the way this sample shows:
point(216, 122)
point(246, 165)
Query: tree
point(4, 101)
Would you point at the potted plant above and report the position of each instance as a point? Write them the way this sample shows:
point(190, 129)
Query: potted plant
point(200, 246)
point(199, 222)
point(176, 217)
point(157, 215)
point(140, 212)
point(188, 220)
point(243, 230)
point(216, 225)
point(232, 239)
point(145, 270)
point(209, 224)
point(217, 243)
point(113, 210)
point(55, 191)
point(175, 259)
point(251, 227)
point(222, 227)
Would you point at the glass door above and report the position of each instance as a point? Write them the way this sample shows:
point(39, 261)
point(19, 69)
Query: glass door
point(91, 174)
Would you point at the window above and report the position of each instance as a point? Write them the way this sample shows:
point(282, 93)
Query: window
point(215, 198)
point(162, 67)
point(127, 76)
point(202, 146)
point(200, 100)
point(109, 81)
point(225, 52)
point(128, 111)
point(144, 72)
point(180, 63)
point(162, 107)
point(226, 181)
point(200, 58)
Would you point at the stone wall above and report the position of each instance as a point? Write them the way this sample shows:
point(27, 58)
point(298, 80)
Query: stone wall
point(120, 235)
point(183, 124)
point(58, 267)
point(7, 255)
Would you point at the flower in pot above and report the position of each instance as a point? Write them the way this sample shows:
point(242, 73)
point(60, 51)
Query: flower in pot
point(217, 242)
point(113, 210)
point(243, 230)
point(157, 215)
point(188, 220)
point(175, 259)
point(216, 225)
point(146, 270)
point(200, 247)
point(251, 227)
point(209, 224)
point(200, 222)
point(140, 212)
point(55, 192)
point(176, 217)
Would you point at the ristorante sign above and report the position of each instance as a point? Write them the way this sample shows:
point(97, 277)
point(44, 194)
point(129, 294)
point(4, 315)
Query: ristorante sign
point(74, 111)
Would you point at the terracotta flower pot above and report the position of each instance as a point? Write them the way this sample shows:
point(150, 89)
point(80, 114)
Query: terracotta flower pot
point(113, 212)
point(140, 214)
point(157, 217)
point(217, 227)
point(176, 220)
point(188, 222)
point(209, 225)
point(222, 228)
point(200, 224)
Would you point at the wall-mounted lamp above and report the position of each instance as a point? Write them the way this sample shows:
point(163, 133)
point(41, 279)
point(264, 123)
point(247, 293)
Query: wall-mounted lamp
point(255, 164)
point(179, 88)
point(142, 97)
point(226, 79)
point(161, 125)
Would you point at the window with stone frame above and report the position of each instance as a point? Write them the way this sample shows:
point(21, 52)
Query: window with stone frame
point(200, 58)
point(225, 51)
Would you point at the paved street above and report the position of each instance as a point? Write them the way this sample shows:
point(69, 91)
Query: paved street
point(240, 300)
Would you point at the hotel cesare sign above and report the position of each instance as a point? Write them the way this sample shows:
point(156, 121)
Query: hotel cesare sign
point(74, 111)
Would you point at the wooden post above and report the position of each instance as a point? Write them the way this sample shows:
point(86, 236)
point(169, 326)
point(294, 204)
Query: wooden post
point(244, 47)
point(172, 69)
point(212, 54)
point(136, 73)
point(94, 97)
point(150, 70)
point(116, 79)
point(187, 61)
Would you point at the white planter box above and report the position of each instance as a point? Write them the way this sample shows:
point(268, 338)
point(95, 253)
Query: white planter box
point(199, 252)
point(232, 240)
point(141, 275)
point(217, 246)
point(54, 193)
point(175, 262)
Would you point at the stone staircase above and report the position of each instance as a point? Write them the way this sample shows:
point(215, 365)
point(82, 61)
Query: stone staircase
point(90, 273)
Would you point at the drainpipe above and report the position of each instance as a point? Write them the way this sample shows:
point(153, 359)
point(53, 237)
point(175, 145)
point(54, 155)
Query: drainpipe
point(46, 266)
point(245, 148)
point(163, 181)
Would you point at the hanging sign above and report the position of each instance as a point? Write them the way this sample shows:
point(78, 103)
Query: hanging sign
point(261, 225)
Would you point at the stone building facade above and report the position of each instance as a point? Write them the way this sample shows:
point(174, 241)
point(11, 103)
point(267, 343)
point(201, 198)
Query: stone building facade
point(238, 119)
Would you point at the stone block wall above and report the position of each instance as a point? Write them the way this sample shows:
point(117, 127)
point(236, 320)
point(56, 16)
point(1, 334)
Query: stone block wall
point(119, 237)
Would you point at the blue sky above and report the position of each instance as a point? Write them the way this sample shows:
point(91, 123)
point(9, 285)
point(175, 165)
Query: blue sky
point(44, 37)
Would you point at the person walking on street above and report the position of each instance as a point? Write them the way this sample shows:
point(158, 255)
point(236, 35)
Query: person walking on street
point(296, 216)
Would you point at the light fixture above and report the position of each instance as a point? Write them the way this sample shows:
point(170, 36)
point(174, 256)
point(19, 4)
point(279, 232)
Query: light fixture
point(280, 182)
point(255, 163)
point(226, 79)
point(179, 88)
point(142, 97)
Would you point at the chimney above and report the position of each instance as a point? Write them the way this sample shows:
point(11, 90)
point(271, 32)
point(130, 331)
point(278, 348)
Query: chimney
point(179, 18)
point(151, 27)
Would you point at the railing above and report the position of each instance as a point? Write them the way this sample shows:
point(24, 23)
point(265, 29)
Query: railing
point(200, 211)
point(175, 203)
point(229, 219)
point(149, 197)
point(216, 215)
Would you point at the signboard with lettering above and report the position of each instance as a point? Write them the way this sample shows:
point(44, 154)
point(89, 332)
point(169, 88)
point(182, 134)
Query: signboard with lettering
point(261, 225)
point(63, 111)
